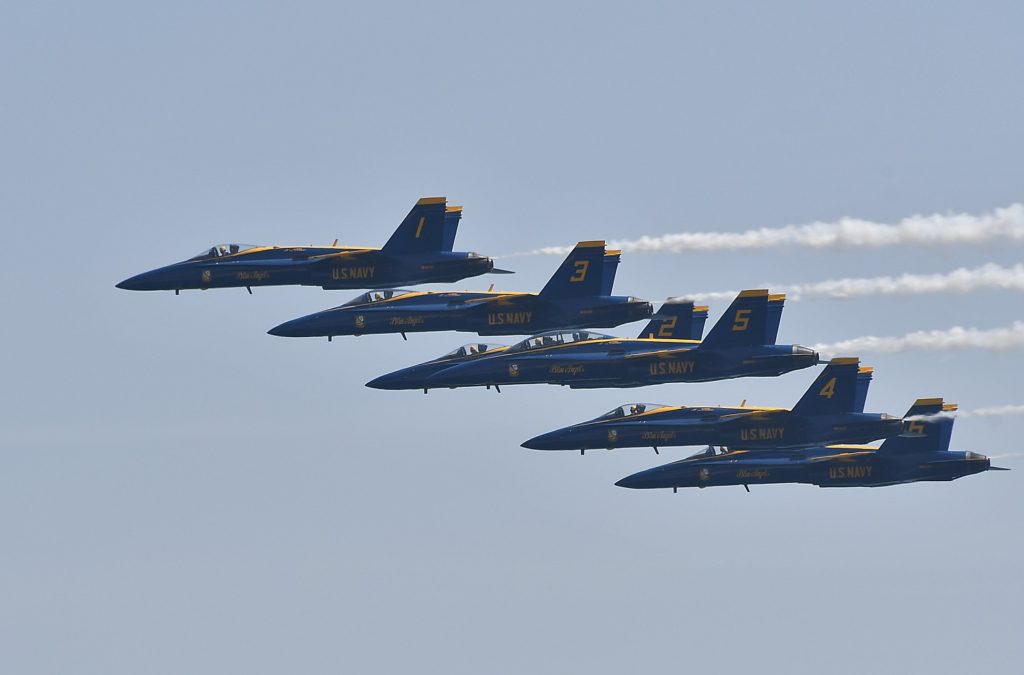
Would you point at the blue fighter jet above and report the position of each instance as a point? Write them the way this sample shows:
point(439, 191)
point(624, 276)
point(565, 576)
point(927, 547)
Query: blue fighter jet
point(741, 344)
point(419, 252)
point(920, 453)
point(578, 295)
point(676, 319)
point(831, 411)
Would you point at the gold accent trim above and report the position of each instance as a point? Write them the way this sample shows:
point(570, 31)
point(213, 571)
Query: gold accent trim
point(929, 401)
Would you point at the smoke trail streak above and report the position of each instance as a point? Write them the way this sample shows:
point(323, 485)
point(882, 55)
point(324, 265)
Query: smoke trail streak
point(931, 230)
point(995, 411)
point(955, 338)
point(962, 280)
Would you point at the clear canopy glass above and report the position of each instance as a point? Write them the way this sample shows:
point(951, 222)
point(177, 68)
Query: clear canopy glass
point(376, 296)
point(707, 452)
point(221, 250)
point(631, 409)
point(551, 339)
point(472, 349)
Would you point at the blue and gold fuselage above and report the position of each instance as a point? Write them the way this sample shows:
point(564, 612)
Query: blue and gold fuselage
point(619, 362)
point(647, 425)
point(484, 313)
point(330, 267)
point(832, 466)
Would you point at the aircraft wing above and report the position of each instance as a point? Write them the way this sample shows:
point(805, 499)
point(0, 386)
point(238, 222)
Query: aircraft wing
point(470, 303)
point(501, 299)
point(271, 262)
point(340, 255)
point(840, 455)
point(658, 353)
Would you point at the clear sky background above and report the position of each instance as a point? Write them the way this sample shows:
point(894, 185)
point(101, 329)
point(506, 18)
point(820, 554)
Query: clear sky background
point(180, 492)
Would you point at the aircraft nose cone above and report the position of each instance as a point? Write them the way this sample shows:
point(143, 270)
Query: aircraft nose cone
point(629, 482)
point(548, 441)
point(659, 477)
point(293, 328)
point(389, 382)
point(139, 282)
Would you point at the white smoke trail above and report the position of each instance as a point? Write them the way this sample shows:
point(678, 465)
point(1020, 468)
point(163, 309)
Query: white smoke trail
point(932, 340)
point(932, 230)
point(961, 280)
point(995, 411)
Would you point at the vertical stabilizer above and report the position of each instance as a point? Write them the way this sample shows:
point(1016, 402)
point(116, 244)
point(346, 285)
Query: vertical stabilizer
point(422, 231)
point(834, 391)
point(580, 274)
point(677, 320)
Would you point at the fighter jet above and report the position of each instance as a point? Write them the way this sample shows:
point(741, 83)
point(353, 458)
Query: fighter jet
point(920, 453)
point(419, 252)
point(831, 411)
point(741, 344)
point(676, 319)
point(578, 295)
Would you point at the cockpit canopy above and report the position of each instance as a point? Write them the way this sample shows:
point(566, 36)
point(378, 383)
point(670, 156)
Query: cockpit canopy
point(221, 250)
point(376, 296)
point(554, 338)
point(472, 349)
point(631, 409)
point(709, 451)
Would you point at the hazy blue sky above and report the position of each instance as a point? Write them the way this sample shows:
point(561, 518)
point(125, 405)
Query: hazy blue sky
point(182, 493)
